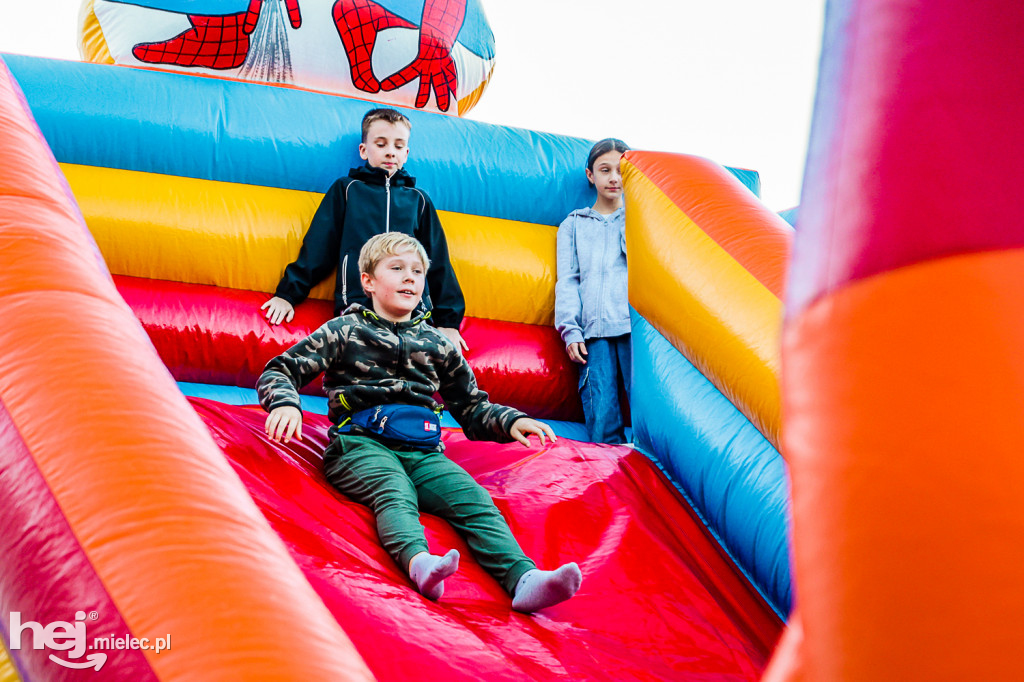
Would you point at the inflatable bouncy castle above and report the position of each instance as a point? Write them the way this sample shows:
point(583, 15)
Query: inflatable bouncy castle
point(147, 213)
point(144, 215)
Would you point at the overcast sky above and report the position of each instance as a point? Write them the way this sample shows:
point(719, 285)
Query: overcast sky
point(730, 80)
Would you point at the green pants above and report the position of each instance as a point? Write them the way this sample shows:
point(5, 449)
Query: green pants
point(398, 484)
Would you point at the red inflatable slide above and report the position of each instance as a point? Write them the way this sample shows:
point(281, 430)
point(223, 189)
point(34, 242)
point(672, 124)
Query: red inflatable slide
point(152, 515)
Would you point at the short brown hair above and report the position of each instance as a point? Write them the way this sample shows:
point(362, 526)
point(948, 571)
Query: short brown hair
point(389, 244)
point(389, 115)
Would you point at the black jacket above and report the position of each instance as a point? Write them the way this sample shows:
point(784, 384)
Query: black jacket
point(355, 208)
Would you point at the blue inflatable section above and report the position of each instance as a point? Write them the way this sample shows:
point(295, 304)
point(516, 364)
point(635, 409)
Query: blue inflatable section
point(234, 395)
point(789, 215)
point(177, 124)
point(751, 179)
point(731, 474)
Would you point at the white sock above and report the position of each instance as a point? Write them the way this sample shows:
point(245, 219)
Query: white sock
point(428, 571)
point(539, 589)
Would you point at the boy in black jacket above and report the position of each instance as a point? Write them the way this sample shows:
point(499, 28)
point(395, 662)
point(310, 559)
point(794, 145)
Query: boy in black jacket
point(377, 197)
point(388, 357)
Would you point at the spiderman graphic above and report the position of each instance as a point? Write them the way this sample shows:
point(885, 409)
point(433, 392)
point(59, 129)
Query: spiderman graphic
point(221, 35)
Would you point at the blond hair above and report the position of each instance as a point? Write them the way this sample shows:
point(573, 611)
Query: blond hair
point(389, 244)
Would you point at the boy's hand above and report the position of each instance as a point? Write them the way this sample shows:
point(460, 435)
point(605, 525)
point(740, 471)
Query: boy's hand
point(278, 310)
point(284, 421)
point(524, 427)
point(455, 337)
point(576, 351)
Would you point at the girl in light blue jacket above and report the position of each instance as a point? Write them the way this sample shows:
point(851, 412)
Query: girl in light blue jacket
point(591, 307)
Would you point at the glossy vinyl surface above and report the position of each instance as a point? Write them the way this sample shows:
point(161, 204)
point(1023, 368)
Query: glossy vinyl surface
point(706, 263)
point(659, 599)
point(306, 37)
point(915, 143)
point(903, 379)
point(248, 133)
point(731, 474)
point(905, 394)
point(243, 236)
point(34, 529)
point(212, 335)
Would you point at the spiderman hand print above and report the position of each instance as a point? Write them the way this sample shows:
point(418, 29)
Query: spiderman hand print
point(359, 22)
point(214, 42)
point(224, 42)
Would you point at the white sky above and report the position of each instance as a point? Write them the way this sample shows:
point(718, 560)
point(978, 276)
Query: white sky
point(730, 80)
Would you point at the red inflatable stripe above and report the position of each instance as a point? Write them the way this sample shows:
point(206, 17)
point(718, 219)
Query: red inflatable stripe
point(212, 335)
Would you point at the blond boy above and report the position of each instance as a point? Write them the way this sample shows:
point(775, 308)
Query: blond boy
point(388, 356)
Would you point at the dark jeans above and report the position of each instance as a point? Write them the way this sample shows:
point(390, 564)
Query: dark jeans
point(397, 484)
point(608, 359)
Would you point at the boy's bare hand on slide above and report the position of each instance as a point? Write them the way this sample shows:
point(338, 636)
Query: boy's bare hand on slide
point(283, 422)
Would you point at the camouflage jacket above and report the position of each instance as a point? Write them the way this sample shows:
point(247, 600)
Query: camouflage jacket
point(368, 361)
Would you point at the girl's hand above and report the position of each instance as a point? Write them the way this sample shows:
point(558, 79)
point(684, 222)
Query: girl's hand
point(524, 427)
point(576, 351)
point(278, 310)
point(283, 422)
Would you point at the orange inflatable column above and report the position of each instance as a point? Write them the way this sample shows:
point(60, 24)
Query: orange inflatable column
point(903, 350)
point(157, 536)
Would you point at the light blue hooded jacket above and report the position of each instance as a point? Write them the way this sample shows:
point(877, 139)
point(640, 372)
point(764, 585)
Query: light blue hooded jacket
point(590, 295)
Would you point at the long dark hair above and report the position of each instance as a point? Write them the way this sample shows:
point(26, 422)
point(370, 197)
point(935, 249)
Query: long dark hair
point(604, 146)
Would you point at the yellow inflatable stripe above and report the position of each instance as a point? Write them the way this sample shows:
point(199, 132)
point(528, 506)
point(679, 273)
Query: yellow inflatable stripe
point(8, 673)
point(506, 268)
point(92, 44)
point(705, 303)
point(243, 236)
point(193, 231)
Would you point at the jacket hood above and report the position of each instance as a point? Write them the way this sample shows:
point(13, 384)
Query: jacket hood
point(376, 176)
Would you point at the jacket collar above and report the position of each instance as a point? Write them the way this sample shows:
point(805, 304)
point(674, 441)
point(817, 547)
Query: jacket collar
point(373, 318)
point(589, 212)
point(376, 176)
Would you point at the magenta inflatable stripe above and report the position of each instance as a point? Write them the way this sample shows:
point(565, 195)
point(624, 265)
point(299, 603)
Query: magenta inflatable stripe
point(45, 576)
point(887, 149)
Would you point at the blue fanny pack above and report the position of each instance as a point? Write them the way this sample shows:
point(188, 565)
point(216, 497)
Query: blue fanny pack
point(410, 426)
